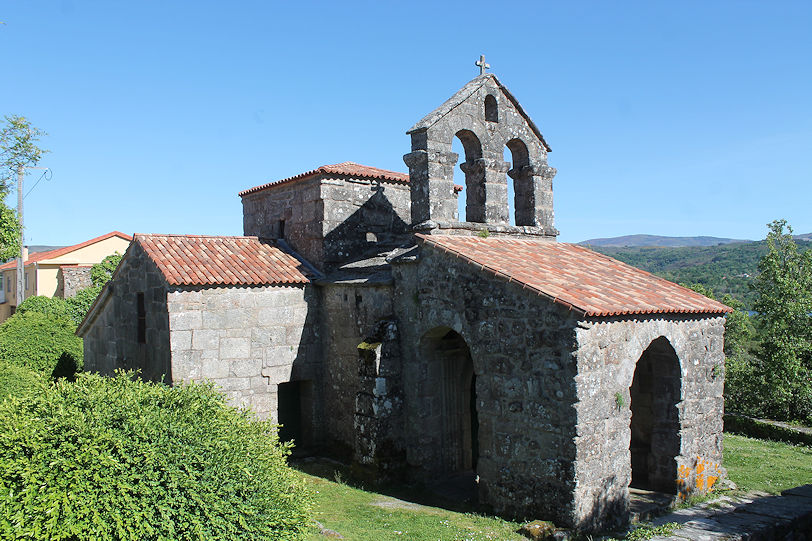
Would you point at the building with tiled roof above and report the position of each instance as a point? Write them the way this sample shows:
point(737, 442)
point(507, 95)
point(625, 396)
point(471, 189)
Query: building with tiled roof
point(58, 272)
point(426, 330)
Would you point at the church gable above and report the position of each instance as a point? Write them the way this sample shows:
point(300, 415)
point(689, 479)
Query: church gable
point(486, 118)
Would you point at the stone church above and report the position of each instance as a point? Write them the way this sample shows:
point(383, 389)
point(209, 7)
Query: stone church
point(360, 313)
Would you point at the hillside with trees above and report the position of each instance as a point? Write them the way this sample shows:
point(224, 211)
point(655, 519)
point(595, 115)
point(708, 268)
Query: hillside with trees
point(725, 269)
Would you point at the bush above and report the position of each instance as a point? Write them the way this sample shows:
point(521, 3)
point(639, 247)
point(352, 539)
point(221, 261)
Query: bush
point(50, 306)
point(118, 458)
point(17, 381)
point(78, 305)
point(41, 343)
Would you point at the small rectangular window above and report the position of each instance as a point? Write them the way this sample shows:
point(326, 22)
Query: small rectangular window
point(142, 319)
point(8, 285)
point(281, 229)
point(26, 281)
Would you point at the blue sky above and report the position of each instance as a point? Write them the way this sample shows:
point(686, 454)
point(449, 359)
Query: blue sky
point(670, 118)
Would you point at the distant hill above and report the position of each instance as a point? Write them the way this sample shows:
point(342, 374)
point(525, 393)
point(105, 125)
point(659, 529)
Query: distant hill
point(42, 248)
point(724, 268)
point(657, 240)
point(672, 242)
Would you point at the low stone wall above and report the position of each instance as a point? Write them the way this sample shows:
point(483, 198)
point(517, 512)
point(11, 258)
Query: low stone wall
point(72, 279)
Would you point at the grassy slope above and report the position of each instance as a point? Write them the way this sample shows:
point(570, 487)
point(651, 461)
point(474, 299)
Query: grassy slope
point(766, 465)
point(753, 464)
point(350, 511)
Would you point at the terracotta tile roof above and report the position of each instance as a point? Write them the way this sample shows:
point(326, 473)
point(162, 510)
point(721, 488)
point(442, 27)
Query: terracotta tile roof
point(348, 169)
point(187, 260)
point(574, 276)
point(50, 254)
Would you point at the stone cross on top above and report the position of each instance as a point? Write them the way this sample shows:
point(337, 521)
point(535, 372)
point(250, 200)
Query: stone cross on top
point(482, 65)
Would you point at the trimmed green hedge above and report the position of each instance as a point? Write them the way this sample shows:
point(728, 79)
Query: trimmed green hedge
point(17, 381)
point(747, 426)
point(42, 343)
point(118, 458)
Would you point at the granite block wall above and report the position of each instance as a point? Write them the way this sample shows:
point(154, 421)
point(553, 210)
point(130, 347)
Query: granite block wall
point(246, 340)
point(525, 393)
point(329, 219)
point(299, 205)
point(111, 341)
point(608, 352)
point(361, 214)
point(361, 372)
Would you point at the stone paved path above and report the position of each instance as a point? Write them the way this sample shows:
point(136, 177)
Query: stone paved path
point(756, 516)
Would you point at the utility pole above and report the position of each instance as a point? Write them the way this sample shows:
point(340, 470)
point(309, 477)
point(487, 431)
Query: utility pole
point(20, 262)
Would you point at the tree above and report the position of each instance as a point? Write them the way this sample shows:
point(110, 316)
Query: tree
point(784, 320)
point(18, 150)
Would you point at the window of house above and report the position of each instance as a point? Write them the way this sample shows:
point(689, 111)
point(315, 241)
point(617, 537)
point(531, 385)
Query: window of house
point(142, 318)
point(26, 281)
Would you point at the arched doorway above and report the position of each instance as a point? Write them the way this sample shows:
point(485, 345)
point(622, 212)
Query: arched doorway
point(451, 398)
point(655, 438)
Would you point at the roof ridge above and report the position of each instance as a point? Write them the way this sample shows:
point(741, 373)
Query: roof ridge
point(335, 169)
point(58, 252)
point(192, 235)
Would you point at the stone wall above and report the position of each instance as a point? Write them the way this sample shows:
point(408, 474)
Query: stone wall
point(72, 279)
point(362, 382)
point(247, 340)
point(299, 205)
point(111, 334)
point(362, 214)
point(521, 349)
point(608, 352)
point(329, 219)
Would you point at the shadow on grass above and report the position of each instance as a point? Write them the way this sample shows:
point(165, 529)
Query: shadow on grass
point(456, 493)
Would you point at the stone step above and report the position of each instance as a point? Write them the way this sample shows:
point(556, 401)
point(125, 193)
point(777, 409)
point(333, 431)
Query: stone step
point(754, 517)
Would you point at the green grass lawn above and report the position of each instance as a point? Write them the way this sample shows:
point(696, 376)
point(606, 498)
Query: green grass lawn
point(767, 466)
point(368, 516)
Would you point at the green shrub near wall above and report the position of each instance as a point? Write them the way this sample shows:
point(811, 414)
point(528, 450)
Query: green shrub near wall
point(118, 458)
point(42, 343)
point(18, 381)
point(747, 426)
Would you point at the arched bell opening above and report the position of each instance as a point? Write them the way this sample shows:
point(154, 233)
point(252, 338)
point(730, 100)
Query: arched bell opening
point(521, 196)
point(655, 427)
point(474, 168)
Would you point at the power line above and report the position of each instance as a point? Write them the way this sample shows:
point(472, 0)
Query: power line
point(47, 174)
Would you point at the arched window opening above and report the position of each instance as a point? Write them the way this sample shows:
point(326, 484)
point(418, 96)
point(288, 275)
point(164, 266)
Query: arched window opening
point(474, 169)
point(521, 197)
point(491, 109)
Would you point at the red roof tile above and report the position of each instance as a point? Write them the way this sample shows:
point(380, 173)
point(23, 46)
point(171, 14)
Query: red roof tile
point(50, 254)
point(189, 260)
point(574, 276)
point(349, 169)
